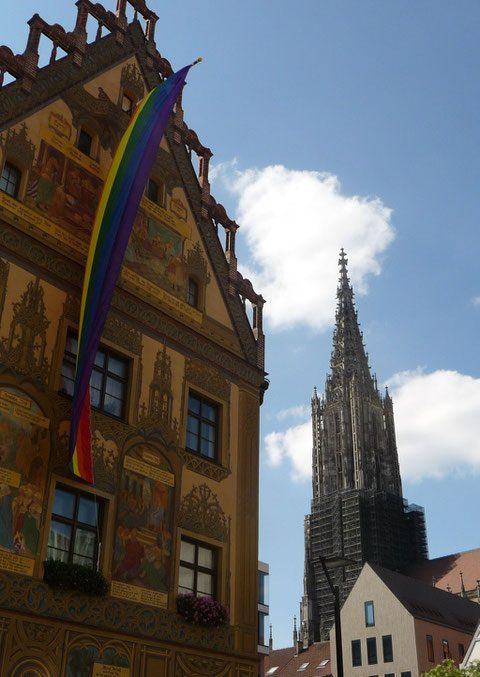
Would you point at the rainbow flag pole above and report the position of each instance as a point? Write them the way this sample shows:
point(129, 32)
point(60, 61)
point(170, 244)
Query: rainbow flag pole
point(113, 223)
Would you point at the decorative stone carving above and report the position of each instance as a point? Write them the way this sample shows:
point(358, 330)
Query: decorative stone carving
point(27, 595)
point(132, 81)
point(122, 334)
point(206, 377)
point(197, 666)
point(4, 270)
point(203, 466)
point(201, 512)
point(24, 348)
point(17, 147)
point(197, 264)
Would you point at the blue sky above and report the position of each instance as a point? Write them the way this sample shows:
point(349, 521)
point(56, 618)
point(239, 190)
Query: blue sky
point(345, 123)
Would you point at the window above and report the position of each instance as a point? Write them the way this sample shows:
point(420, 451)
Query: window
point(192, 292)
point(270, 671)
point(303, 666)
point(446, 648)
point(85, 142)
point(10, 181)
point(263, 587)
point(197, 574)
point(356, 652)
point(387, 649)
point(108, 382)
point(154, 191)
point(430, 652)
point(461, 652)
point(202, 426)
point(389, 674)
point(262, 628)
point(75, 527)
point(127, 103)
point(406, 674)
point(369, 614)
point(323, 663)
point(372, 650)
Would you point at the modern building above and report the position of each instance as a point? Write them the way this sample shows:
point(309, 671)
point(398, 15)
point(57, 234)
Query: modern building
point(176, 387)
point(358, 510)
point(263, 608)
point(395, 625)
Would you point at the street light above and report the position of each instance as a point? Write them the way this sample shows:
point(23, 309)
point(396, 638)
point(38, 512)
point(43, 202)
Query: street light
point(334, 563)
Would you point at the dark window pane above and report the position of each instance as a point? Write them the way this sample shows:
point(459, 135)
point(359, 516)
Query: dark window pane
point(192, 293)
point(117, 366)
point(112, 406)
point(71, 344)
point(100, 359)
point(356, 652)
point(85, 541)
point(372, 650)
point(208, 432)
point(85, 142)
point(87, 511)
point(209, 412)
point(192, 441)
point(387, 648)
point(10, 181)
point(60, 535)
point(152, 190)
point(95, 397)
point(64, 503)
point(115, 388)
point(193, 404)
point(96, 379)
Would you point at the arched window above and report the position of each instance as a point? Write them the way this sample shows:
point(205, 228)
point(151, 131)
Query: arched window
point(10, 181)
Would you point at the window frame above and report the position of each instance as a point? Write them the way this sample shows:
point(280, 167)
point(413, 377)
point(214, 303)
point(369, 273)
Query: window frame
point(446, 649)
point(76, 524)
point(159, 197)
point(356, 655)
point(372, 654)
point(369, 606)
point(196, 568)
point(12, 168)
point(69, 358)
point(193, 292)
point(82, 133)
point(430, 649)
point(387, 648)
point(204, 400)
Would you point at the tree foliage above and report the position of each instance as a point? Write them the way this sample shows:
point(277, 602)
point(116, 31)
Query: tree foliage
point(448, 669)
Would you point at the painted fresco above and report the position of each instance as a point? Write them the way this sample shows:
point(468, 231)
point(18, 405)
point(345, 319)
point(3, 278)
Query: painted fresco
point(87, 660)
point(156, 253)
point(144, 528)
point(24, 449)
point(64, 190)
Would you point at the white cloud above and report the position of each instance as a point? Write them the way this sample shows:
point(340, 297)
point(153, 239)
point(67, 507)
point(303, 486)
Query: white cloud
point(437, 419)
point(293, 445)
point(437, 424)
point(295, 223)
point(300, 411)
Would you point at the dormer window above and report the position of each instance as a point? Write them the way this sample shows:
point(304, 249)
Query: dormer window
point(10, 181)
point(85, 141)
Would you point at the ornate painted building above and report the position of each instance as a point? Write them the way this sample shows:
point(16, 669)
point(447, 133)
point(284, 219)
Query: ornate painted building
point(176, 387)
point(358, 510)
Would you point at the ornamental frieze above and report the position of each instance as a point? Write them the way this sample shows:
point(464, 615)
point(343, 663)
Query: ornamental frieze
point(201, 512)
point(202, 375)
point(27, 595)
point(187, 665)
point(203, 466)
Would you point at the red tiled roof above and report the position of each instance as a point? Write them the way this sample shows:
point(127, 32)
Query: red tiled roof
point(288, 663)
point(446, 571)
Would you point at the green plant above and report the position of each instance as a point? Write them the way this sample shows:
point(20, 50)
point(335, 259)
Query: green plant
point(447, 668)
point(68, 576)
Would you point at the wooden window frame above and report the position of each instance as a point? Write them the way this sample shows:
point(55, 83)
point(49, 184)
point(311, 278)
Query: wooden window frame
point(204, 421)
point(11, 168)
point(197, 568)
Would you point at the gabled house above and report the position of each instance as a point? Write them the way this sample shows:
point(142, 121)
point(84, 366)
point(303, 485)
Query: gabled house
point(396, 626)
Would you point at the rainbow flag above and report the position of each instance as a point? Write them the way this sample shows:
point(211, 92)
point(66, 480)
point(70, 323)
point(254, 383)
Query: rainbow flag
point(113, 223)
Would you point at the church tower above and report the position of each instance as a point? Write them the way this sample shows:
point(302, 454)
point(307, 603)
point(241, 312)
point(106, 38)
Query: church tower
point(358, 510)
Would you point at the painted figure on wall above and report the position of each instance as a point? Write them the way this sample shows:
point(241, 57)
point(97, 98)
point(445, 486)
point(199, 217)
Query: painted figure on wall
point(24, 449)
point(143, 537)
point(64, 190)
point(156, 253)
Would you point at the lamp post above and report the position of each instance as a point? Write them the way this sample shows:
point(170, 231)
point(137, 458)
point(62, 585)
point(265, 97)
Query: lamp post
point(335, 563)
